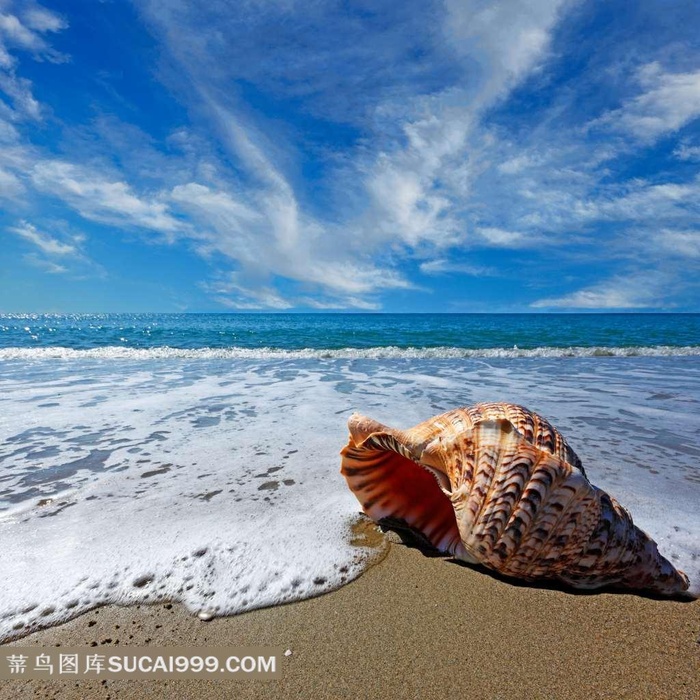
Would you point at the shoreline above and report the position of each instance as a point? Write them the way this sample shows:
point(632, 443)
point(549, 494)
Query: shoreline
point(411, 626)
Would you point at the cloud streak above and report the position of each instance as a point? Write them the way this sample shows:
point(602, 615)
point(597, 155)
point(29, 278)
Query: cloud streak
point(45, 243)
point(668, 102)
point(100, 198)
point(53, 254)
point(620, 292)
point(24, 34)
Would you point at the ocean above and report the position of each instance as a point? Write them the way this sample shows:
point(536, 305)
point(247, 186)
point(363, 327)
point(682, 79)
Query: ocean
point(194, 457)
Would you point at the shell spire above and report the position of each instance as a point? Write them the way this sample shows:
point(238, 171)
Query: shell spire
point(497, 485)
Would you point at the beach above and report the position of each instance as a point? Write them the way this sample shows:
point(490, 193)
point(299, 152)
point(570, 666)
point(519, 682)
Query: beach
point(413, 626)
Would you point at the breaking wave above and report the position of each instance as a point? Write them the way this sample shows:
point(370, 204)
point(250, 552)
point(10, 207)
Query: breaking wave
point(372, 353)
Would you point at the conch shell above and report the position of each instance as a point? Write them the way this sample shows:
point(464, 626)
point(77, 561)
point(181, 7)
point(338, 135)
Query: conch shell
point(495, 484)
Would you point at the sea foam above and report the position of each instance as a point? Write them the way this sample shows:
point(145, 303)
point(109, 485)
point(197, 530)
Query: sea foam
point(388, 352)
point(215, 482)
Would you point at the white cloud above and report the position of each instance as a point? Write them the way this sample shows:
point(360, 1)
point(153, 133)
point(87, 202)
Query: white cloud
point(45, 242)
point(270, 235)
point(49, 266)
point(101, 198)
point(56, 254)
point(8, 133)
point(644, 289)
point(430, 175)
point(42, 20)
point(10, 185)
point(220, 211)
point(271, 190)
point(6, 61)
point(422, 191)
point(501, 238)
point(407, 209)
point(339, 303)
point(668, 103)
point(15, 32)
point(232, 293)
point(264, 244)
point(685, 243)
point(26, 36)
point(19, 90)
point(237, 296)
point(517, 164)
point(686, 152)
point(508, 39)
point(642, 201)
point(559, 198)
point(443, 266)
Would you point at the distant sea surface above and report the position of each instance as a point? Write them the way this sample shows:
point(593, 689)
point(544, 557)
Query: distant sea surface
point(359, 335)
point(194, 457)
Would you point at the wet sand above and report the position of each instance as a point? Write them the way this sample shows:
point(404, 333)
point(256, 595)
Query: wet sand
point(413, 626)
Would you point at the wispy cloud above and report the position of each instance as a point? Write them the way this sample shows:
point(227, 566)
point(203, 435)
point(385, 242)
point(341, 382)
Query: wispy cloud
point(46, 243)
point(687, 152)
point(340, 303)
point(422, 191)
point(683, 243)
point(19, 90)
point(506, 40)
point(501, 238)
point(643, 201)
point(100, 198)
point(26, 33)
point(270, 240)
point(56, 254)
point(621, 292)
point(667, 103)
point(234, 295)
point(10, 185)
point(443, 266)
point(23, 32)
point(49, 266)
point(42, 20)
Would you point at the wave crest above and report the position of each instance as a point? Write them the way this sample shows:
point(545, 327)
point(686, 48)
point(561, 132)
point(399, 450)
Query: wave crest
point(373, 353)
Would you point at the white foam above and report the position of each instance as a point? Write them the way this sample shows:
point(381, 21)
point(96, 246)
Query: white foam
point(388, 352)
point(170, 465)
point(133, 535)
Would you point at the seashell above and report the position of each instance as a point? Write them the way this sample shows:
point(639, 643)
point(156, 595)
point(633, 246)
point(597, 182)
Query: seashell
point(495, 484)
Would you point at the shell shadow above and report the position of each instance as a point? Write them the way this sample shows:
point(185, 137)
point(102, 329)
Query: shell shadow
point(414, 539)
point(410, 537)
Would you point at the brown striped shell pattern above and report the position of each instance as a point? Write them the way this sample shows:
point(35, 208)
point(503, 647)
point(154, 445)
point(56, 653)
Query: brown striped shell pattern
point(495, 484)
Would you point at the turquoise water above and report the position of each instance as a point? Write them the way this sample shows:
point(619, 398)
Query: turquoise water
point(296, 332)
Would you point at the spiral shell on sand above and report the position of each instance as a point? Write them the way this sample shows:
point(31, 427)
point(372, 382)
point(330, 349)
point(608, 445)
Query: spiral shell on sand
point(497, 485)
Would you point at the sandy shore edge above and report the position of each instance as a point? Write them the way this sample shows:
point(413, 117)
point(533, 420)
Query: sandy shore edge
point(413, 626)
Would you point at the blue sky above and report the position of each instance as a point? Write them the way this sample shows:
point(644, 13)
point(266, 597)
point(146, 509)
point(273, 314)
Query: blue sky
point(173, 155)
